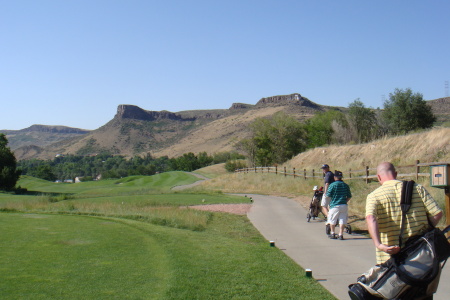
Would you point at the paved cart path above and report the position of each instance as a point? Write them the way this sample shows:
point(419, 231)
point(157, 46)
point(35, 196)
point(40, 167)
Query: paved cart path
point(334, 263)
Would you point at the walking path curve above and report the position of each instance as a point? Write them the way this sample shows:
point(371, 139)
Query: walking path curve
point(334, 263)
point(183, 187)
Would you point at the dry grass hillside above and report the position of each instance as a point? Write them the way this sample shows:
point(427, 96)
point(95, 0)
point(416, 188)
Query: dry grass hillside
point(222, 134)
point(219, 135)
point(428, 146)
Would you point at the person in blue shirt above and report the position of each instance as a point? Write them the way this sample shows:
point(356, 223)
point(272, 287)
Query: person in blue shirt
point(340, 194)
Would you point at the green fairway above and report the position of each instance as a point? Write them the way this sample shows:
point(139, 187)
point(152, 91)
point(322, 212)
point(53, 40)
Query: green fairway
point(134, 184)
point(145, 198)
point(52, 256)
point(103, 240)
point(74, 257)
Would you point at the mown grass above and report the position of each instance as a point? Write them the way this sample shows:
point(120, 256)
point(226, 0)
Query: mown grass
point(144, 198)
point(77, 257)
point(98, 240)
point(67, 257)
point(134, 185)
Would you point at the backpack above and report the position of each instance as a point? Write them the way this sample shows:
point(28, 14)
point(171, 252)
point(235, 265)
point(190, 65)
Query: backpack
point(415, 270)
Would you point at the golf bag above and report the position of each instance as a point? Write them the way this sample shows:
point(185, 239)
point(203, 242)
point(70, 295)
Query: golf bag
point(414, 271)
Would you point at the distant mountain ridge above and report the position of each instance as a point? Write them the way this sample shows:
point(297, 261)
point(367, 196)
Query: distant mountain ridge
point(136, 131)
point(41, 135)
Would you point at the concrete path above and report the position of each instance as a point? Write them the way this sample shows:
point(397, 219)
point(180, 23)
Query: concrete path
point(183, 187)
point(334, 263)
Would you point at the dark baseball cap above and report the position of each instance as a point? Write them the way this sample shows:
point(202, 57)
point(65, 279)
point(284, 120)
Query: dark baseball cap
point(325, 166)
point(338, 174)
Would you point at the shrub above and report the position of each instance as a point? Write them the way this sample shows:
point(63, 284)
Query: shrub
point(232, 165)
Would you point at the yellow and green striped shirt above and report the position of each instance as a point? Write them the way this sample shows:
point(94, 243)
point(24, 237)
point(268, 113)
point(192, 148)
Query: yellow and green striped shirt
point(384, 205)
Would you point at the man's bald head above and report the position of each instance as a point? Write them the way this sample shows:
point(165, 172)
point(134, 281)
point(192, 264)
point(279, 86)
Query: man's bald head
point(386, 171)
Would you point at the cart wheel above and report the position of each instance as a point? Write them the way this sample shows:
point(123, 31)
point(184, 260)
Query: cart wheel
point(327, 229)
point(308, 217)
point(348, 229)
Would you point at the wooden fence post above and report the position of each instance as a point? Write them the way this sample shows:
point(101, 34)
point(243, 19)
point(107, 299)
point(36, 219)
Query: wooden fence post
point(447, 205)
point(417, 169)
point(314, 175)
point(350, 173)
point(367, 174)
point(294, 172)
point(276, 170)
point(304, 173)
point(284, 171)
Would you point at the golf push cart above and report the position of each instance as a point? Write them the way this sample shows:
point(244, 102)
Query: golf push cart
point(315, 209)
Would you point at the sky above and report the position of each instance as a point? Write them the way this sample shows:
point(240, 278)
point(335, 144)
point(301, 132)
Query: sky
point(72, 62)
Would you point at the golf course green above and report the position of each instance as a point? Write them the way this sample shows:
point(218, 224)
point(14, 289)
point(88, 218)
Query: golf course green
point(133, 238)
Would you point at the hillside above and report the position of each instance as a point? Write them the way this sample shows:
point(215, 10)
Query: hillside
point(135, 131)
point(38, 136)
point(441, 109)
point(428, 146)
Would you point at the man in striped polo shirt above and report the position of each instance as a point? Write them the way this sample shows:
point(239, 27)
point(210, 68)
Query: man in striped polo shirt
point(384, 214)
point(340, 194)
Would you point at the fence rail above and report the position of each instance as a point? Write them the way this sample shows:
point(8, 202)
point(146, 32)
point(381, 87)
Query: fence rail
point(364, 174)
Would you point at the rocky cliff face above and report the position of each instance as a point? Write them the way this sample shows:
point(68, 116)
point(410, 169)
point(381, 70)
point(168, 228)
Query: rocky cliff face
point(240, 106)
point(292, 99)
point(137, 113)
point(54, 129)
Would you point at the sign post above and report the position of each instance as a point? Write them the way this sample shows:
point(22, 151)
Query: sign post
point(440, 178)
point(447, 204)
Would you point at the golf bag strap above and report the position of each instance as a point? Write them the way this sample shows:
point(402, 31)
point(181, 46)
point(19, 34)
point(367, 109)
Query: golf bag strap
point(405, 204)
point(447, 229)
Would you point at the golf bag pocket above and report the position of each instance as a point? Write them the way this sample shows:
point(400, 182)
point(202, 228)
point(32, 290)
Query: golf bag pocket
point(381, 281)
point(415, 270)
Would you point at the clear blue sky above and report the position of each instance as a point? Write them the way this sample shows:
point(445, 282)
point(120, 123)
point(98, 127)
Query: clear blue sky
point(73, 62)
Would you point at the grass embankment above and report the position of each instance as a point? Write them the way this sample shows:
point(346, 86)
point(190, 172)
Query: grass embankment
point(87, 246)
point(428, 146)
point(212, 171)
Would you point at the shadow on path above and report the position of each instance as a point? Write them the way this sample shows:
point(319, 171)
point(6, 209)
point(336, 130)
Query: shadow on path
point(334, 263)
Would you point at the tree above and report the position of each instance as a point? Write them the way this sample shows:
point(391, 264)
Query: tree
point(8, 172)
point(274, 140)
point(406, 111)
point(45, 172)
point(320, 127)
point(363, 121)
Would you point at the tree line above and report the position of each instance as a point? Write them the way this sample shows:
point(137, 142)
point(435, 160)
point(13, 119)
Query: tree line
point(281, 137)
point(107, 166)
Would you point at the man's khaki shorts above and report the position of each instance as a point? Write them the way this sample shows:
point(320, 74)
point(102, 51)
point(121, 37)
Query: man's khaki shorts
point(325, 201)
point(338, 213)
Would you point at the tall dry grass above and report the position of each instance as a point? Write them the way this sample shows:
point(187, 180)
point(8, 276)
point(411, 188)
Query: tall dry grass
point(428, 146)
point(177, 217)
point(259, 183)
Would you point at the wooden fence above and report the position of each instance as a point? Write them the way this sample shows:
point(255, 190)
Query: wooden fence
point(409, 171)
